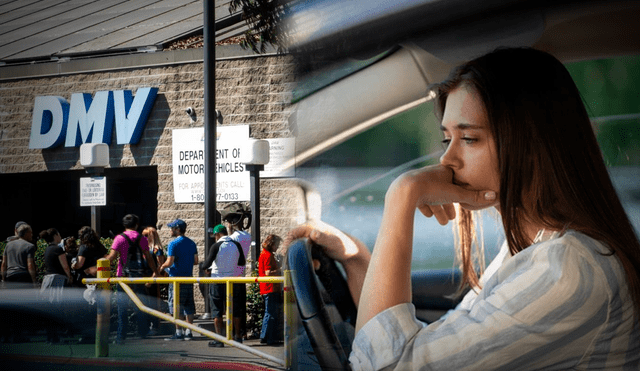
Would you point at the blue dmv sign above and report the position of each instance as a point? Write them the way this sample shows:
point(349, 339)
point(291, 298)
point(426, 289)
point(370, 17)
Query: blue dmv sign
point(90, 119)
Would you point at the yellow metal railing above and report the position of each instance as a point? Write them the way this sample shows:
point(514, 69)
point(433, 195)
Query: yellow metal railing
point(104, 280)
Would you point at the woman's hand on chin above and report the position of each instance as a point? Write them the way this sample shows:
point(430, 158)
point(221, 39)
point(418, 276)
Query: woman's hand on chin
point(432, 191)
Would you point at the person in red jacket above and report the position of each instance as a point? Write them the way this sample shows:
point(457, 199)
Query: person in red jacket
point(271, 292)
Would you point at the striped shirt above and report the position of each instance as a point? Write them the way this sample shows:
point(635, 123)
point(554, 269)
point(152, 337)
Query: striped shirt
point(559, 304)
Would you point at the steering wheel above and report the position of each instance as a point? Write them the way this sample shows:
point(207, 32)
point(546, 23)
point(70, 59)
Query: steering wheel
point(315, 289)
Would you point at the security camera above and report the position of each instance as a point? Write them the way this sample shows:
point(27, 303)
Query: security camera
point(190, 111)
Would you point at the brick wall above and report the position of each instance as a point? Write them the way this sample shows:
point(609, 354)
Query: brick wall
point(252, 91)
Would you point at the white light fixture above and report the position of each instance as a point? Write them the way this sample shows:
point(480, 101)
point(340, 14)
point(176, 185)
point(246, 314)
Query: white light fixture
point(255, 152)
point(94, 155)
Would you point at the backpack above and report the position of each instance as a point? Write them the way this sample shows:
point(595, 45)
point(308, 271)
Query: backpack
point(136, 265)
point(241, 259)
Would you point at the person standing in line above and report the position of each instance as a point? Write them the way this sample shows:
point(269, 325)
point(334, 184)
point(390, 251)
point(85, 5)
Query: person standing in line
point(13, 237)
point(205, 288)
point(57, 276)
point(233, 218)
point(182, 255)
point(223, 258)
point(18, 264)
point(133, 249)
point(57, 271)
point(71, 253)
point(271, 292)
point(155, 245)
point(153, 290)
point(91, 249)
point(15, 231)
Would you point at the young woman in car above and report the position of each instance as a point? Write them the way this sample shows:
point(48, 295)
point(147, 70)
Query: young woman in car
point(564, 292)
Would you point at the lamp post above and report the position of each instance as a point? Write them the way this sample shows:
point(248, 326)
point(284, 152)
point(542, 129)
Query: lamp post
point(94, 157)
point(255, 156)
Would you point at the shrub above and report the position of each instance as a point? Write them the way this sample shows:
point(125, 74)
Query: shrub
point(41, 246)
point(255, 309)
point(106, 241)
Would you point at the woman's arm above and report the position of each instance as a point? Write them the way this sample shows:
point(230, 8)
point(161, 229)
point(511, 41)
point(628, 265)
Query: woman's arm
point(388, 279)
point(79, 262)
point(151, 262)
point(63, 262)
point(161, 257)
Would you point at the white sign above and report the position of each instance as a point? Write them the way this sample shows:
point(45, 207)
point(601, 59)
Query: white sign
point(281, 151)
point(93, 191)
point(232, 180)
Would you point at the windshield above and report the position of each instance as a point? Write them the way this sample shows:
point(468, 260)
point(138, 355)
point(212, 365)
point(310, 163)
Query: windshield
point(353, 177)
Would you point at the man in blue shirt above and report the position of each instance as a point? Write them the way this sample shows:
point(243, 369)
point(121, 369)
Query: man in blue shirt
point(182, 255)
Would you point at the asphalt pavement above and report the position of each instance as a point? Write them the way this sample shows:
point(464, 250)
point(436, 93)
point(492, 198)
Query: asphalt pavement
point(154, 352)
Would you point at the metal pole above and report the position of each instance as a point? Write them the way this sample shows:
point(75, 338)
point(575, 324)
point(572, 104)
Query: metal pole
point(94, 219)
point(209, 32)
point(211, 217)
point(254, 170)
point(290, 324)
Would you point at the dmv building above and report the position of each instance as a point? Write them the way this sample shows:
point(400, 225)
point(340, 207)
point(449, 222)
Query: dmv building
point(147, 105)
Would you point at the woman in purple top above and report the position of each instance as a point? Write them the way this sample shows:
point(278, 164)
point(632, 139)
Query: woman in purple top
point(122, 243)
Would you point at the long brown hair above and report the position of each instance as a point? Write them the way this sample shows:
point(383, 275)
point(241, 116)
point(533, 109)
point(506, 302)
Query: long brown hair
point(270, 242)
point(152, 236)
point(551, 169)
point(89, 237)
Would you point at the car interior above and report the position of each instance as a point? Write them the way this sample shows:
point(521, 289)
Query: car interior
point(361, 63)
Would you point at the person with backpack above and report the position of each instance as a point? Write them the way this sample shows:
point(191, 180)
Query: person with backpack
point(135, 260)
point(236, 217)
point(222, 260)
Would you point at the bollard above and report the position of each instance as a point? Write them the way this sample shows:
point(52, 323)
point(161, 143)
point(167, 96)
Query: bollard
point(103, 304)
point(290, 324)
point(176, 300)
point(229, 310)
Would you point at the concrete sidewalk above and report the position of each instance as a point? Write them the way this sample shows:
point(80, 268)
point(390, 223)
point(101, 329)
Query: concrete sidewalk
point(152, 352)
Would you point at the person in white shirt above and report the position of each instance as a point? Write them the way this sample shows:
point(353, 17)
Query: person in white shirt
point(236, 217)
point(222, 260)
point(564, 292)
